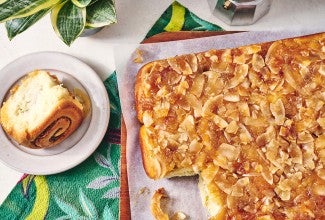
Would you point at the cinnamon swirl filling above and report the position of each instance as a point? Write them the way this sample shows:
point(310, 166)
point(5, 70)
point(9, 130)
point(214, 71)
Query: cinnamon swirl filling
point(64, 122)
point(55, 132)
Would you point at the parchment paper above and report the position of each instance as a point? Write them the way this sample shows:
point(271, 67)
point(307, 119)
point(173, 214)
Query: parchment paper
point(182, 191)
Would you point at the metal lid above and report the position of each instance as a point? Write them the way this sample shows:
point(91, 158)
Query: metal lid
point(240, 12)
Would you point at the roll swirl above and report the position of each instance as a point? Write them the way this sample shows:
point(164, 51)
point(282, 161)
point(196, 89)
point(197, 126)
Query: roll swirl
point(40, 112)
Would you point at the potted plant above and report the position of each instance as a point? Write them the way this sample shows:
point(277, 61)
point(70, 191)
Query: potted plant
point(70, 18)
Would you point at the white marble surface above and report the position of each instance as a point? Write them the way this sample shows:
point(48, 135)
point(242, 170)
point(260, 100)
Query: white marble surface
point(134, 20)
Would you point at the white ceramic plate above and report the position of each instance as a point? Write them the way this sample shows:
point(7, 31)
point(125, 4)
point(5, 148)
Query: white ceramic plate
point(73, 73)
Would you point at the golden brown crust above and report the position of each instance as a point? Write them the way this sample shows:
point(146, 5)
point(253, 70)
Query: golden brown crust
point(256, 112)
point(64, 118)
point(154, 165)
point(61, 123)
point(151, 163)
point(140, 89)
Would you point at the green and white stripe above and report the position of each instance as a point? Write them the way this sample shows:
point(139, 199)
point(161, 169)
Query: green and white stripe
point(100, 13)
point(18, 25)
point(11, 9)
point(81, 3)
point(68, 21)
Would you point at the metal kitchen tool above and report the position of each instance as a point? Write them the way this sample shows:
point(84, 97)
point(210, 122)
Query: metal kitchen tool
point(240, 12)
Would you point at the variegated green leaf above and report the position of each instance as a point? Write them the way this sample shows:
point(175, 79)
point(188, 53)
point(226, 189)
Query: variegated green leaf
point(18, 25)
point(81, 3)
point(93, 1)
point(12, 9)
point(87, 206)
point(101, 13)
point(68, 21)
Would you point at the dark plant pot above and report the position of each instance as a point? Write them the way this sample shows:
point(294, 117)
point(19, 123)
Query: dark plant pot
point(90, 31)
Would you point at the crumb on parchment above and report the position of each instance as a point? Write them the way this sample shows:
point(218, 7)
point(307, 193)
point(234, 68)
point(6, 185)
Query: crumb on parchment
point(156, 207)
point(138, 56)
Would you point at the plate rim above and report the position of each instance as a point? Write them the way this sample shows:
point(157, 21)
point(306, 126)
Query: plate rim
point(70, 158)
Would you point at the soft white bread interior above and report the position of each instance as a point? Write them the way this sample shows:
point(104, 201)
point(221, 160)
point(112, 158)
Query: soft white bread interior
point(211, 196)
point(40, 112)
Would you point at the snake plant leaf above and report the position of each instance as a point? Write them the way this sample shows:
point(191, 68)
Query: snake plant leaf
point(81, 3)
point(19, 25)
point(100, 13)
point(68, 21)
point(11, 9)
point(92, 1)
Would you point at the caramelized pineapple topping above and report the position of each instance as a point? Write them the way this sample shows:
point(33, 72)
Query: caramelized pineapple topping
point(256, 114)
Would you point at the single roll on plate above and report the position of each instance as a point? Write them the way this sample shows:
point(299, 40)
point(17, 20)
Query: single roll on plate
point(40, 112)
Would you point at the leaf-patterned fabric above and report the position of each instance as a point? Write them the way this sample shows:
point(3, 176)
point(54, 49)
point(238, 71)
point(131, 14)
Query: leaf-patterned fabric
point(90, 190)
point(178, 18)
